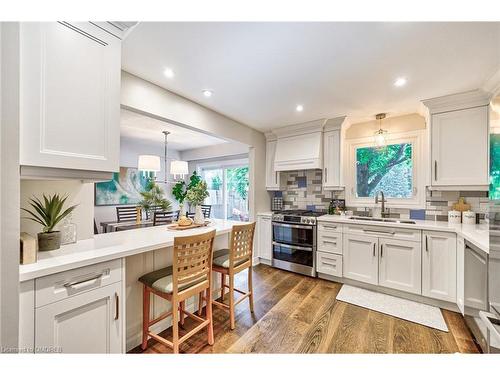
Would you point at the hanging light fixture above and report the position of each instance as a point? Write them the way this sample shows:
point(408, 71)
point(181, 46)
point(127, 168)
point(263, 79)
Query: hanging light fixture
point(151, 163)
point(380, 134)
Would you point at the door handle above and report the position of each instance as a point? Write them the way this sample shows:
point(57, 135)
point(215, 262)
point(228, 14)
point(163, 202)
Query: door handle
point(426, 245)
point(374, 245)
point(117, 306)
point(82, 283)
point(326, 174)
point(381, 250)
point(435, 170)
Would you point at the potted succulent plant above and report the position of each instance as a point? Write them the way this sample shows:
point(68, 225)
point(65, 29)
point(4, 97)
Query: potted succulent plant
point(153, 199)
point(48, 214)
point(196, 195)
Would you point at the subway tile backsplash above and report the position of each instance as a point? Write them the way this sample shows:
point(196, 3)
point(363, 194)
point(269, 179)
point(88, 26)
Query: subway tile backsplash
point(304, 191)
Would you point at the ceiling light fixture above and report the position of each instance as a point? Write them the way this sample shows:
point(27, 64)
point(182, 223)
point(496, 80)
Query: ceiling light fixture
point(169, 73)
point(400, 82)
point(208, 93)
point(299, 108)
point(380, 134)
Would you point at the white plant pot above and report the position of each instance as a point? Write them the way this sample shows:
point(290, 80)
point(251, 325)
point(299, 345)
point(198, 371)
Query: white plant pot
point(198, 215)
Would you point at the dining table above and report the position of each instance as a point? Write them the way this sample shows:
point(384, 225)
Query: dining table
point(115, 226)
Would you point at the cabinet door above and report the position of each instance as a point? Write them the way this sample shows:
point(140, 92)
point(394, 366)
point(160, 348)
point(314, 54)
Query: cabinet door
point(461, 274)
point(439, 266)
point(86, 323)
point(331, 159)
point(70, 96)
point(400, 265)
point(460, 147)
point(272, 177)
point(360, 260)
point(265, 237)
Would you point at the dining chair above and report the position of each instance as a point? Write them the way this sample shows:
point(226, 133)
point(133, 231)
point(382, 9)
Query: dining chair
point(126, 213)
point(189, 275)
point(162, 217)
point(205, 208)
point(229, 262)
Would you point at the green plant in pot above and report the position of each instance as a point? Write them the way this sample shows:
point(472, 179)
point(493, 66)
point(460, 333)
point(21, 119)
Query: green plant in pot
point(196, 195)
point(48, 213)
point(153, 199)
point(180, 190)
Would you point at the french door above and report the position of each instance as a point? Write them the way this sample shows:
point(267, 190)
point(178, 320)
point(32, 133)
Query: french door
point(228, 189)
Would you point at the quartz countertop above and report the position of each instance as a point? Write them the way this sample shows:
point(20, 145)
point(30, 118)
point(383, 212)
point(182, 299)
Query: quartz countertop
point(109, 246)
point(266, 213)
point(476, 234)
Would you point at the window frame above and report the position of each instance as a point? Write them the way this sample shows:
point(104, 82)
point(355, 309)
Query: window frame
point(415, 138)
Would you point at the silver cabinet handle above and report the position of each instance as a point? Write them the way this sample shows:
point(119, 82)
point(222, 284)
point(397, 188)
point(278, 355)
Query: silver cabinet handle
point(330, 226)
point(332, 242)
point(378, 231)
point(381, 250)
point(374, 249)
point(329, 264)
point(435, 170)
point(75, 283)
point(426, 244)
point(117, 306)
point(326, 174)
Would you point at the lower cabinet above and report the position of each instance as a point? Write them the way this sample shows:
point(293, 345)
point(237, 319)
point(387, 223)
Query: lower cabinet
point(400, 265)
point(439, 265)
point(329, 264)
point(360, 261)
point(86, 323)
point(265, 237)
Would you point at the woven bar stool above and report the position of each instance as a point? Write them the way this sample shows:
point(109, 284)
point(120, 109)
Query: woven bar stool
point(229, 262)
point(189, 275)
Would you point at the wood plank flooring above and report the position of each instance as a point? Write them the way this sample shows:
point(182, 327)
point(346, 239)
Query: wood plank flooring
point(298, 314)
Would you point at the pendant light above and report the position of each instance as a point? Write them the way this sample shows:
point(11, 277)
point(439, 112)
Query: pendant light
point(151, 163)
point(380, 134)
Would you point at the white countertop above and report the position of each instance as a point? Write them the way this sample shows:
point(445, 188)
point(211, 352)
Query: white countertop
point(477, 234)
point(109, 246)
point(266, 213)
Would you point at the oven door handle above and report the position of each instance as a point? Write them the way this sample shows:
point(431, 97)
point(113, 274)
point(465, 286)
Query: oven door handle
point(293, 226)
point(292, 246)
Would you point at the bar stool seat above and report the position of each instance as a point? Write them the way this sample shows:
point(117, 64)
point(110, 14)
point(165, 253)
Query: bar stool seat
point(221, 259)
point(161, 280)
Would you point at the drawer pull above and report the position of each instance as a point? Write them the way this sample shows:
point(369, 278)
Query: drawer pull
point(378, 231)
point(83, 283)
point(374, 248)
point(332, 242)
point(330, 226)
point(117, 306)
point(329, 264)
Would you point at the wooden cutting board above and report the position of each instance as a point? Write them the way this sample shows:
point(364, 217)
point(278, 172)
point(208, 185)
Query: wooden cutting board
point(461, 205)
point(185, 227)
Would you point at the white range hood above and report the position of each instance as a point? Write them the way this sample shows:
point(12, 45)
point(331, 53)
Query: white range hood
point(299, 146)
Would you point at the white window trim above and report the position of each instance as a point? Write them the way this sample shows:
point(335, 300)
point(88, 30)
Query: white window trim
point(416, 138)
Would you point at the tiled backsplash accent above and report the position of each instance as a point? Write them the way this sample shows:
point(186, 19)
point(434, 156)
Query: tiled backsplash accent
point(304, 191)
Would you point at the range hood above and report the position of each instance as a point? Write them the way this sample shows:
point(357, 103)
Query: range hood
point(299, 147)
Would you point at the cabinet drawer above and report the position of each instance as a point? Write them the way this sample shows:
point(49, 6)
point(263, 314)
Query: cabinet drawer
point(329, 227)
point(329, 264)
point(384, 232)
point(52, 288)
point(330, 242)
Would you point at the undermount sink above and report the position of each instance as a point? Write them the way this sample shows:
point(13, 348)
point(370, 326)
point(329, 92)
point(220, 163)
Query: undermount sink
point(381, 219)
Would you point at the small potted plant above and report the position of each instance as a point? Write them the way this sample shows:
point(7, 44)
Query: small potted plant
point(196, 195)
point(180, 190)
point(153, 199)
point(48, 214)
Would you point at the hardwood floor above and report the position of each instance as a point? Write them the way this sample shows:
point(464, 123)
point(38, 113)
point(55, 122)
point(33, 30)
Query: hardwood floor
point(298, 314)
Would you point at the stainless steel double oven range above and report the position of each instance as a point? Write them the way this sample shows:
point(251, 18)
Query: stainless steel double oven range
point(294, 241)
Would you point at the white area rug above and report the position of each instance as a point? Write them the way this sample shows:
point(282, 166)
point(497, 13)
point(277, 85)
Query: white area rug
point(416, 312)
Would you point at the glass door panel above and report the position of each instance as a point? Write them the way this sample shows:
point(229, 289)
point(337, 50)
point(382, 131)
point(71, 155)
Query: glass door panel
point(214, 178)
point(237, 193)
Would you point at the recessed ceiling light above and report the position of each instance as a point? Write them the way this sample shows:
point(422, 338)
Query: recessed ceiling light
point(400, 82)
point(208, 93)
point(299, 108)
point(169, 73)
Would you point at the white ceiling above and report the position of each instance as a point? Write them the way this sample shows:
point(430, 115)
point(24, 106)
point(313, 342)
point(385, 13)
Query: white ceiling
point(259, 72)
point(137, 126)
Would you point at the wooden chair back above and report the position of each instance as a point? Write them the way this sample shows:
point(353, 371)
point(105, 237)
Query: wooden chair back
point(241, 245)
point(126, 213)
point(163, 217)
point(192, 262)
point(205, 208)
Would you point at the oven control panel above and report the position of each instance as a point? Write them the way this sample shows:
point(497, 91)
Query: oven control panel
point(294, 219)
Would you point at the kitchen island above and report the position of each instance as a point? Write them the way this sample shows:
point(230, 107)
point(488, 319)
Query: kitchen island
point(85, 297)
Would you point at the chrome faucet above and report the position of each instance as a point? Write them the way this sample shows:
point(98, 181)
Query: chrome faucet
point(382, 201)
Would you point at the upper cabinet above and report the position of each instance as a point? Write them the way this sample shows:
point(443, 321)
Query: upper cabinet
point(459, 140)
point(273, 178)
point(332, 154)
point(70, 96)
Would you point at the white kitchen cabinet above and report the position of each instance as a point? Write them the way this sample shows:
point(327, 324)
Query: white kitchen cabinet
point(86, 323)
point(360, 258)
point(273, 178)
point(329, 264)
point(331, 159)
point(330, 238)
point(459, 140)
point(476, 279)
point(70, 96)
point(400, 265)
point(265, 237)
point(461, 274)
point(439, 265)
